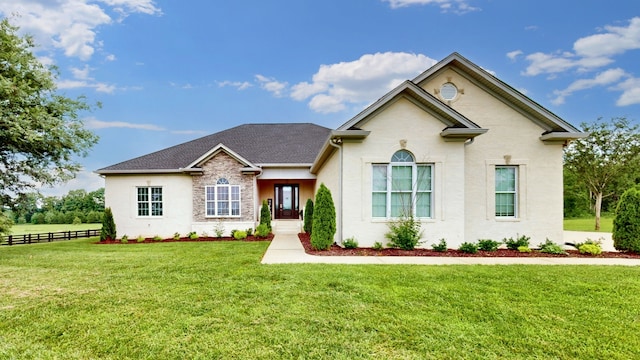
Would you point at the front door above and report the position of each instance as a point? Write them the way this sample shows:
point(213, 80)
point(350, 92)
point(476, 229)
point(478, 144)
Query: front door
point(287, 206)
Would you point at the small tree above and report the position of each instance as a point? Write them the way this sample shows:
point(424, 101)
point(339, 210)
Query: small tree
point(324, 220)
point(626, 224)
point(308, 216)
point(108, 231)
point(265, 215)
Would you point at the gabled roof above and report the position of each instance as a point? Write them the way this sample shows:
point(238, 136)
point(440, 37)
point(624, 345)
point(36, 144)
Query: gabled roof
point(550, 122)
point(251, 144)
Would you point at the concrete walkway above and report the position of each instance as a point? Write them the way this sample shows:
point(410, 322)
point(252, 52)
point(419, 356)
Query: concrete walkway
point(286, 248)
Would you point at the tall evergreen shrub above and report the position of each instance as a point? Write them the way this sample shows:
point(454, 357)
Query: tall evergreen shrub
point(108, 231)
point(626, 224)
point(324, 220)
point(308, 216)
point(265, 215)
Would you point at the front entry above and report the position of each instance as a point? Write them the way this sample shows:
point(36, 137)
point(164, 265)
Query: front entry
point(287, 201)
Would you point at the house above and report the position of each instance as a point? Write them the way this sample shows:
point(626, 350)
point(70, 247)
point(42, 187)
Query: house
point(463, 152)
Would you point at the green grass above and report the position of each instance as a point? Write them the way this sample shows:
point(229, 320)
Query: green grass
point(588, 224)
point(210, 300)
point(21, 229)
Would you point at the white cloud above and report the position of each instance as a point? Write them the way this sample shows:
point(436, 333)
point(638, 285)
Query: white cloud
point(616, 40)
point(93, 123)
point(84, 179)
point(359, 82)
point(240, 85)
point(83, 80)
point(456, 6)
point(110, 57)
point(602, 79)
point(271, 85)
point(514, 54)
point(70, 25)
point(630, 92)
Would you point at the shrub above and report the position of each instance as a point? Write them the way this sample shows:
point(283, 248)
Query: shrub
point(239, 235)
point(124, 239)
point(404, 233)
point(467, 247)
point(515, 244)
point(262, 231)
point(249, 231)
point(378, 246)
point(219, 229)
point(324, 220)
point(76, 221)
point(550, 247)
point(233, 233)
point(524, 249)
point(108, 231)
point(592, 249)
point(176, 236)
point(193, 235)
point(265, 215)
point(140, 239)
point(308, 216)
point(157, 238)
point(441, 246)
point(626, 224)
point(488, 245)
point(350, 243)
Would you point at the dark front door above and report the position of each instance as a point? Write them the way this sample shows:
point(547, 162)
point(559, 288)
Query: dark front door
point(287, 205)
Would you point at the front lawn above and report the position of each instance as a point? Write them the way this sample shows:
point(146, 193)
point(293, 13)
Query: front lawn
point(77, 300)
point(20, 229)
point(588, 224)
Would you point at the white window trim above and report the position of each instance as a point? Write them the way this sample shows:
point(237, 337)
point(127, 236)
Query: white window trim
point(215, 201)
point(515, 192)
point(414, 192)
point(521, 187)
point(149, 201)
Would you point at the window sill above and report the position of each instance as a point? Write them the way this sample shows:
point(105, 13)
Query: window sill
point(388, 220)
point(507, 219)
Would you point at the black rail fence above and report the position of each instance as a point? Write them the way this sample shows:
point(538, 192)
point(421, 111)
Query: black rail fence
point(47, 237)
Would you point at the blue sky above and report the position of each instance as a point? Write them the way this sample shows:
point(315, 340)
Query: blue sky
point(170, 71)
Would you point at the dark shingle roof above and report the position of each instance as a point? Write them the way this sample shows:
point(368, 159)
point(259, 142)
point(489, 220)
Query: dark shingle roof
point(287, 143)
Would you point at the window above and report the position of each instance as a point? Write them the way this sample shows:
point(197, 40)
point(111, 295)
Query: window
point(448, 91)
point(506, 191)
point(222, 199)
point(402, 187)
point(149, 201)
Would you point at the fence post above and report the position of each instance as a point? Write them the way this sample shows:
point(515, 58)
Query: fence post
point(29, 238)
point(10, 240)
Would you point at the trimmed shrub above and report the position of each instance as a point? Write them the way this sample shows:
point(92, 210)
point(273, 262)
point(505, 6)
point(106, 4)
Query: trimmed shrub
point(262, 231)
point(550, 247)
point(524, 249)
point(157, 238)
point(324, 220)
point(265, 215)
point(469, 248)
point(176, 236)
point(488, 245)
point(239, 235)
point(592, 249)
point(515, 244)
point(108, 231)
point(626, 224)
point(140, 238)
point(404, 233)
point(441, 246)
point(249, 231)
point(193, 235)
point(308, 216)
point(125, 239)
point(378, 246)
point(350, 243)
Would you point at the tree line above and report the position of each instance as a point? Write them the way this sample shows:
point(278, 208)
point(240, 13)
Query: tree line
point(77, 206)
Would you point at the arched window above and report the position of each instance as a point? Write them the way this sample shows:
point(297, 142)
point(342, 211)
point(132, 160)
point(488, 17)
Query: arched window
point(222, 199)
point(402, 187)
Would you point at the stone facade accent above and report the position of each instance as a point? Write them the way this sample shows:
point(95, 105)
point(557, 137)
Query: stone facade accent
point(223, 166)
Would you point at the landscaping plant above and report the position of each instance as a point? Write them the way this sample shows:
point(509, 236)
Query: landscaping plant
point(441, 246)
point(262, 231)
point(550, 247)
point(239, 235)
point(488, 245)
point(626, 224)
point(324, 220)
point(350, 243)
point(468, 247)
point(515, 244)
point(404, 233)
point(108, 231)
point(308, 216)
point(265, 215)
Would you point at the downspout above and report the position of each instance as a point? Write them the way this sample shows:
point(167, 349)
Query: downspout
point(337, 143)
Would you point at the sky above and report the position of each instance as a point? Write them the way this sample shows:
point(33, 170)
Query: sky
point(168, 71)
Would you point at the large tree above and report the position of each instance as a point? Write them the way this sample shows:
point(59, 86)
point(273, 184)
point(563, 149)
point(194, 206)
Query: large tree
point(40, 132)
point(606, 161)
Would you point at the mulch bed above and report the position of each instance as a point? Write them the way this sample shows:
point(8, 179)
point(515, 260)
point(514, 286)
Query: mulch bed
point(186, 239)
point(336, 250)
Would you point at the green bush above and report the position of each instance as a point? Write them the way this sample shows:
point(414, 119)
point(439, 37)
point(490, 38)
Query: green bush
point(233, 233)
point(239, 235)
point(467, 247)
point(404, 233)
point(124, 239)
point(176, 236)
point(324, 220)
point(441, 246)
point(308, 216)
point(378, 246)
point(262, 231)
point(592, 249)
point(626, 224)
point(249, 231)
point(140, 238)
point(219, 229)
point(550, 247)
point(76, 221)
point(488, 245)
point(265, 215)
point(515, 244)
point(524, 249)
point(193, 235)
point(108, 231)
point(157, 238)
point(350, 243)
